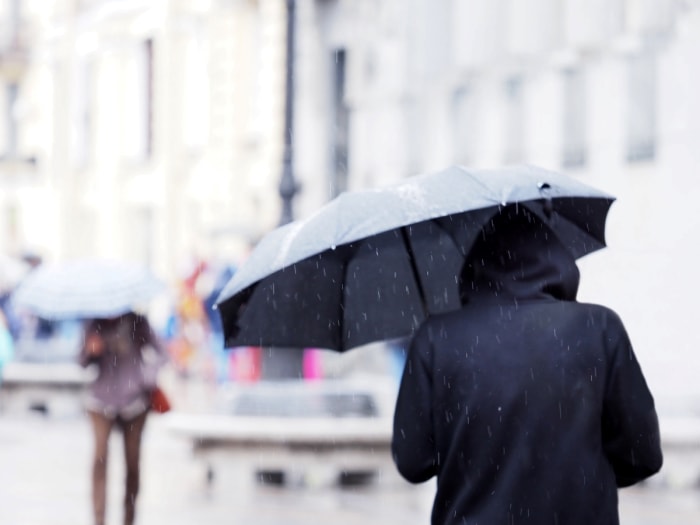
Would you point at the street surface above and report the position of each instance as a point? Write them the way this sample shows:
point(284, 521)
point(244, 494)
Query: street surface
point(45, 470)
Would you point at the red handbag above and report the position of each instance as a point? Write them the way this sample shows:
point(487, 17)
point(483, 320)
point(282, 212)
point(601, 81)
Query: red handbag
point(159, 401)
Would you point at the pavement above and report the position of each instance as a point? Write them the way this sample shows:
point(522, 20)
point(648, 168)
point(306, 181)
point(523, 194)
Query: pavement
point(45, 470)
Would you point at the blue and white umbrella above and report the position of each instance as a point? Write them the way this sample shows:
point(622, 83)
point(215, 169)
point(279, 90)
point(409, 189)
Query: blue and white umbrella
point(86, 288)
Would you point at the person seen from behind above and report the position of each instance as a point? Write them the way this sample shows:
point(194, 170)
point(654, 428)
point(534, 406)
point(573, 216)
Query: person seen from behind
point(7, 344)
point(528, 406)
point(127, 355)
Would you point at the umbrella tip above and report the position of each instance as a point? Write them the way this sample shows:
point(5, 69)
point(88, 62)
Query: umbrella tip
point(544, 187)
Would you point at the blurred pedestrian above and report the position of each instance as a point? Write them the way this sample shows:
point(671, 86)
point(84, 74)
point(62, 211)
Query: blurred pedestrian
point(13, 322)
point(220, 354)
point(128, 355)
point(528, 406)
point(187, 331)
point(7, 344)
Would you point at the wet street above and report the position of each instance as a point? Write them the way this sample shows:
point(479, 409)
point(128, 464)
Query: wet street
point(44, 480)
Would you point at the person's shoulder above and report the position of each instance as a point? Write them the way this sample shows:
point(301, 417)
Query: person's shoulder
point(453, 316)
point(600, 313)
point(439, 323)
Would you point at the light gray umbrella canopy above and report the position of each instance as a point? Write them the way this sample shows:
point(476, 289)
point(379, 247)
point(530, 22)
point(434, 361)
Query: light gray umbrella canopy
point(368, 239)
point(86, 288)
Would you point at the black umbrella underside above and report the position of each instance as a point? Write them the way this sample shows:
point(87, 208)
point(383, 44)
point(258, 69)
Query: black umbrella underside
point(384, 286)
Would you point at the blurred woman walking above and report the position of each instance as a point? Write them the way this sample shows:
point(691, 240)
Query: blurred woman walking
point(127, 355)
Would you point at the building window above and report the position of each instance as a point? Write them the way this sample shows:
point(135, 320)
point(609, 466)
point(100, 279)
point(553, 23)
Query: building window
point(641, 107)
point(196, 95)
point(574, 119)
point(340, 124)
point(9, 221)
point(138, 131)
point(514, 119)
point(148, 88)
point(464, 125)
point(140, 234)
point(83, 118)
point(11, 96)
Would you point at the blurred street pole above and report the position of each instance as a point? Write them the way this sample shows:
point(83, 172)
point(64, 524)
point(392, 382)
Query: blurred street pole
point(288, 186)
point(286, 363)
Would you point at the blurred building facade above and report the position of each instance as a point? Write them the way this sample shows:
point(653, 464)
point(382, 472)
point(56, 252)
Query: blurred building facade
point(154, 129)
point(150, 129)
point(400, 87)
point(599, 89)
point(140, 129)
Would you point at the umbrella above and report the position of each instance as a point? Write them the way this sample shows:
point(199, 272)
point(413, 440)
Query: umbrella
point(86, 288)
point(371, 265)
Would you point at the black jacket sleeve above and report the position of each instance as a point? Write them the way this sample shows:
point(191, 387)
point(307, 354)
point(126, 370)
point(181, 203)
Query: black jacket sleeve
point(631, 439)
point(413, 443)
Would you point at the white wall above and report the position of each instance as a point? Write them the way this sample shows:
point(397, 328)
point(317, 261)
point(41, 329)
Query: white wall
point(647, 271)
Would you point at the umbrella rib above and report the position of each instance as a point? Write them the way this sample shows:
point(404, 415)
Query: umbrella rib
point(414, 267)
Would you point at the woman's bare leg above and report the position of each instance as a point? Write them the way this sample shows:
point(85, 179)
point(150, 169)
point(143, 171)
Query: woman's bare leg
point(101, 427)
point(133, 430)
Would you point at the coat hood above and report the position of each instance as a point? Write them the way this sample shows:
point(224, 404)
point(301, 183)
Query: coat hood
point(518, 257)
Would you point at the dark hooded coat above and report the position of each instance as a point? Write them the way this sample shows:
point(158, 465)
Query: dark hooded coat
point(528, 406)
